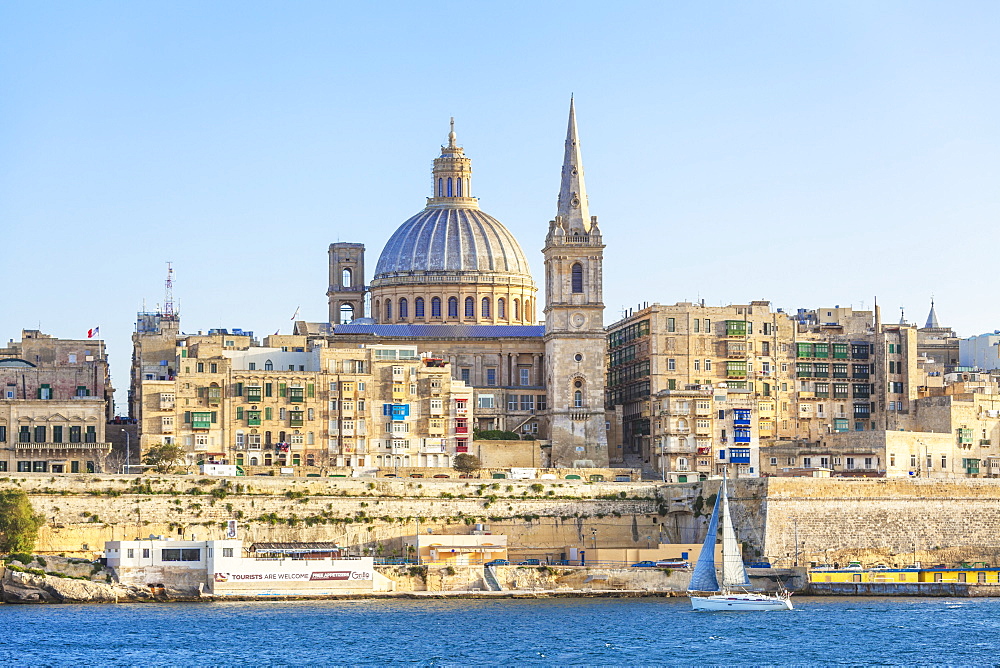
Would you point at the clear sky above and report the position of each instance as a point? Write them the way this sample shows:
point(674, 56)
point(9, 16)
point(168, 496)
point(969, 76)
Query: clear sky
point(807, 153)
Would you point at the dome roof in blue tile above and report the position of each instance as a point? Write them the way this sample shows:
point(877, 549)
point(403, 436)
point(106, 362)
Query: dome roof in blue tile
point(450, 239)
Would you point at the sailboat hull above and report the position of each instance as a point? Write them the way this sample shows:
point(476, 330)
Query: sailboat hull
point(739, 602)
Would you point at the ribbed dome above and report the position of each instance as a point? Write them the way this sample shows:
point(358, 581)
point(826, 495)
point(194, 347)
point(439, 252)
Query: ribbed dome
point(451, 239)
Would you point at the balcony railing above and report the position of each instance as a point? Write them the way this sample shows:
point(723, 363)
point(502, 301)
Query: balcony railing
point(60, 446)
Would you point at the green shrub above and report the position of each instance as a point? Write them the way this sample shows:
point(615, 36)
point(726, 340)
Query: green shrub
point(19, 523)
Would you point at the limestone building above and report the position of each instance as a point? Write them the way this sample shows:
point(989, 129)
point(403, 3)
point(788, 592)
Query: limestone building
point(293, 403)
point(453, 281)
point(56, 402)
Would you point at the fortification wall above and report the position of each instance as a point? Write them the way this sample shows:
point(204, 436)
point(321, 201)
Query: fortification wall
point(893, 521)
point(82, 512)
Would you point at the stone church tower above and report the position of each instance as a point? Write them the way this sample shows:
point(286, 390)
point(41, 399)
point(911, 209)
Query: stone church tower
point(575, 344)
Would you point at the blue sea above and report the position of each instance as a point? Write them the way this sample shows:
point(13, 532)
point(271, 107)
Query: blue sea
point(562, 632)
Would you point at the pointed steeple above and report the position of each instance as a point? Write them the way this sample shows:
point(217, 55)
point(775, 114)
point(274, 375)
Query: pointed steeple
point(573, 206)
point(932, 321)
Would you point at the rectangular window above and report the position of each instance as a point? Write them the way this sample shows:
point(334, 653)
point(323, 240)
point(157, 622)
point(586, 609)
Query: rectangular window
point(491, 377)
point(75, 434)
point(525, 377)
point(3, 433)
point(512, 402)
point(697, 325)
point(671, 364)
point(227, 552)
point(465, 375)
point(486, 401)
point(282, 390)
point(40, 434)
point(527, 402)
point(181, 554)
point(671, 325)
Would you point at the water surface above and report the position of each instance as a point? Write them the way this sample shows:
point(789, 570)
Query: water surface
point(654, 631)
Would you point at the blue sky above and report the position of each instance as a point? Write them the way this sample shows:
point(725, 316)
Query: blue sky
point(808, 153)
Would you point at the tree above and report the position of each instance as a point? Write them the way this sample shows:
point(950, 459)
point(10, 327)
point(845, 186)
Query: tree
point(466, 463)
point(19, 523)
point(163, 458)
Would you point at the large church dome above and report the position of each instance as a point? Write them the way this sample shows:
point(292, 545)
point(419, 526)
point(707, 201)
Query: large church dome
point(452, 262)
point(451, 239)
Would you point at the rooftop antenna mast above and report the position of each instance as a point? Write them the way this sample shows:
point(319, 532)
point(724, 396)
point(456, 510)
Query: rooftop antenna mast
point(168, 296)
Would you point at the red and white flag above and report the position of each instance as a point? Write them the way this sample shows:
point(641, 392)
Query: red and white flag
point(91, 333)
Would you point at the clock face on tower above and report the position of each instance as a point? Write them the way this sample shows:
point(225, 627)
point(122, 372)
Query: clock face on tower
point(577, 319)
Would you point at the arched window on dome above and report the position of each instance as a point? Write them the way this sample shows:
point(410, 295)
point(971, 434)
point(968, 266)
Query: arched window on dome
point(452, 307)
point(470, 307)
point(517, 309)
point(436, 307)
point(388, 310)
point(501, 308)
point(346, 313)
point(577, 278)
point(527, 310)
point(346, 278)
point(486, 307)
point(449, 187)
point(378, 309)
point(440, 187)
point(577, 399)
point(418, 307)
point(458, 183)
point(403, 308)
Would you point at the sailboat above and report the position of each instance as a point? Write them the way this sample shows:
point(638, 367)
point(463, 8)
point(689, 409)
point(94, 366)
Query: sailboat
point(734, 594)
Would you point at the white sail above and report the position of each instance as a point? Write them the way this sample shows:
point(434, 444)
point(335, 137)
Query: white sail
point(734, 573)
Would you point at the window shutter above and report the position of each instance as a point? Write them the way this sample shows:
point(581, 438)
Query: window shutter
point(310, 390)
point(281, 390)
point(187, 417)
point(238, 391)
point(215, 416)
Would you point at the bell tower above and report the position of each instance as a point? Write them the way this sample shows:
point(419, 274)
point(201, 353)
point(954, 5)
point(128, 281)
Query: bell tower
point(346, 294)
point(575, 344)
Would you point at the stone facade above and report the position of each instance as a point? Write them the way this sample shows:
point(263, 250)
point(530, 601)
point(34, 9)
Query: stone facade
point(57, 399)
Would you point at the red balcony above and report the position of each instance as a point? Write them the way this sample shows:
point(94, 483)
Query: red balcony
point(461, 448)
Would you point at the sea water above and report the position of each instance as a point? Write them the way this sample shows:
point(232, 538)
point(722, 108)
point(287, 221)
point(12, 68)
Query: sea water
point(586, 631)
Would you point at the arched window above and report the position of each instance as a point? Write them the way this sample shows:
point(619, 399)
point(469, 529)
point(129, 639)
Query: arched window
point(378, 309)
point(470, 307)
point(577, 399)
point(517, 309)
point(452, 307)
point(486, 307)
point(527, 310)
point(459, 185)
point(403, 310)
point(345, 278)
point(253, 461)
point(577, 278)
point(268, 365)
point(436, 307)
point(388, 310)
point(346, 313)
point(501, 308)
point(440, 187)
point(418, 307)
point(449, 187)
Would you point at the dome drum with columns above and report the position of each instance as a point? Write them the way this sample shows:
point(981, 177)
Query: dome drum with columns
point(452, 263)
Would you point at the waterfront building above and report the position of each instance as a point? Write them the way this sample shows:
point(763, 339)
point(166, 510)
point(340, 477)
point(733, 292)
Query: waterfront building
point(226, 568)
point(294, 403)
point(56, 402)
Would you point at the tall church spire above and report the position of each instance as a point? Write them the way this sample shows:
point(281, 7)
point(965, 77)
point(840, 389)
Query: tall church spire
point(573, 207)
point(932, 320)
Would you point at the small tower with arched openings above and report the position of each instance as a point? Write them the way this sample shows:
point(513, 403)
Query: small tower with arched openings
point(346, 294)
